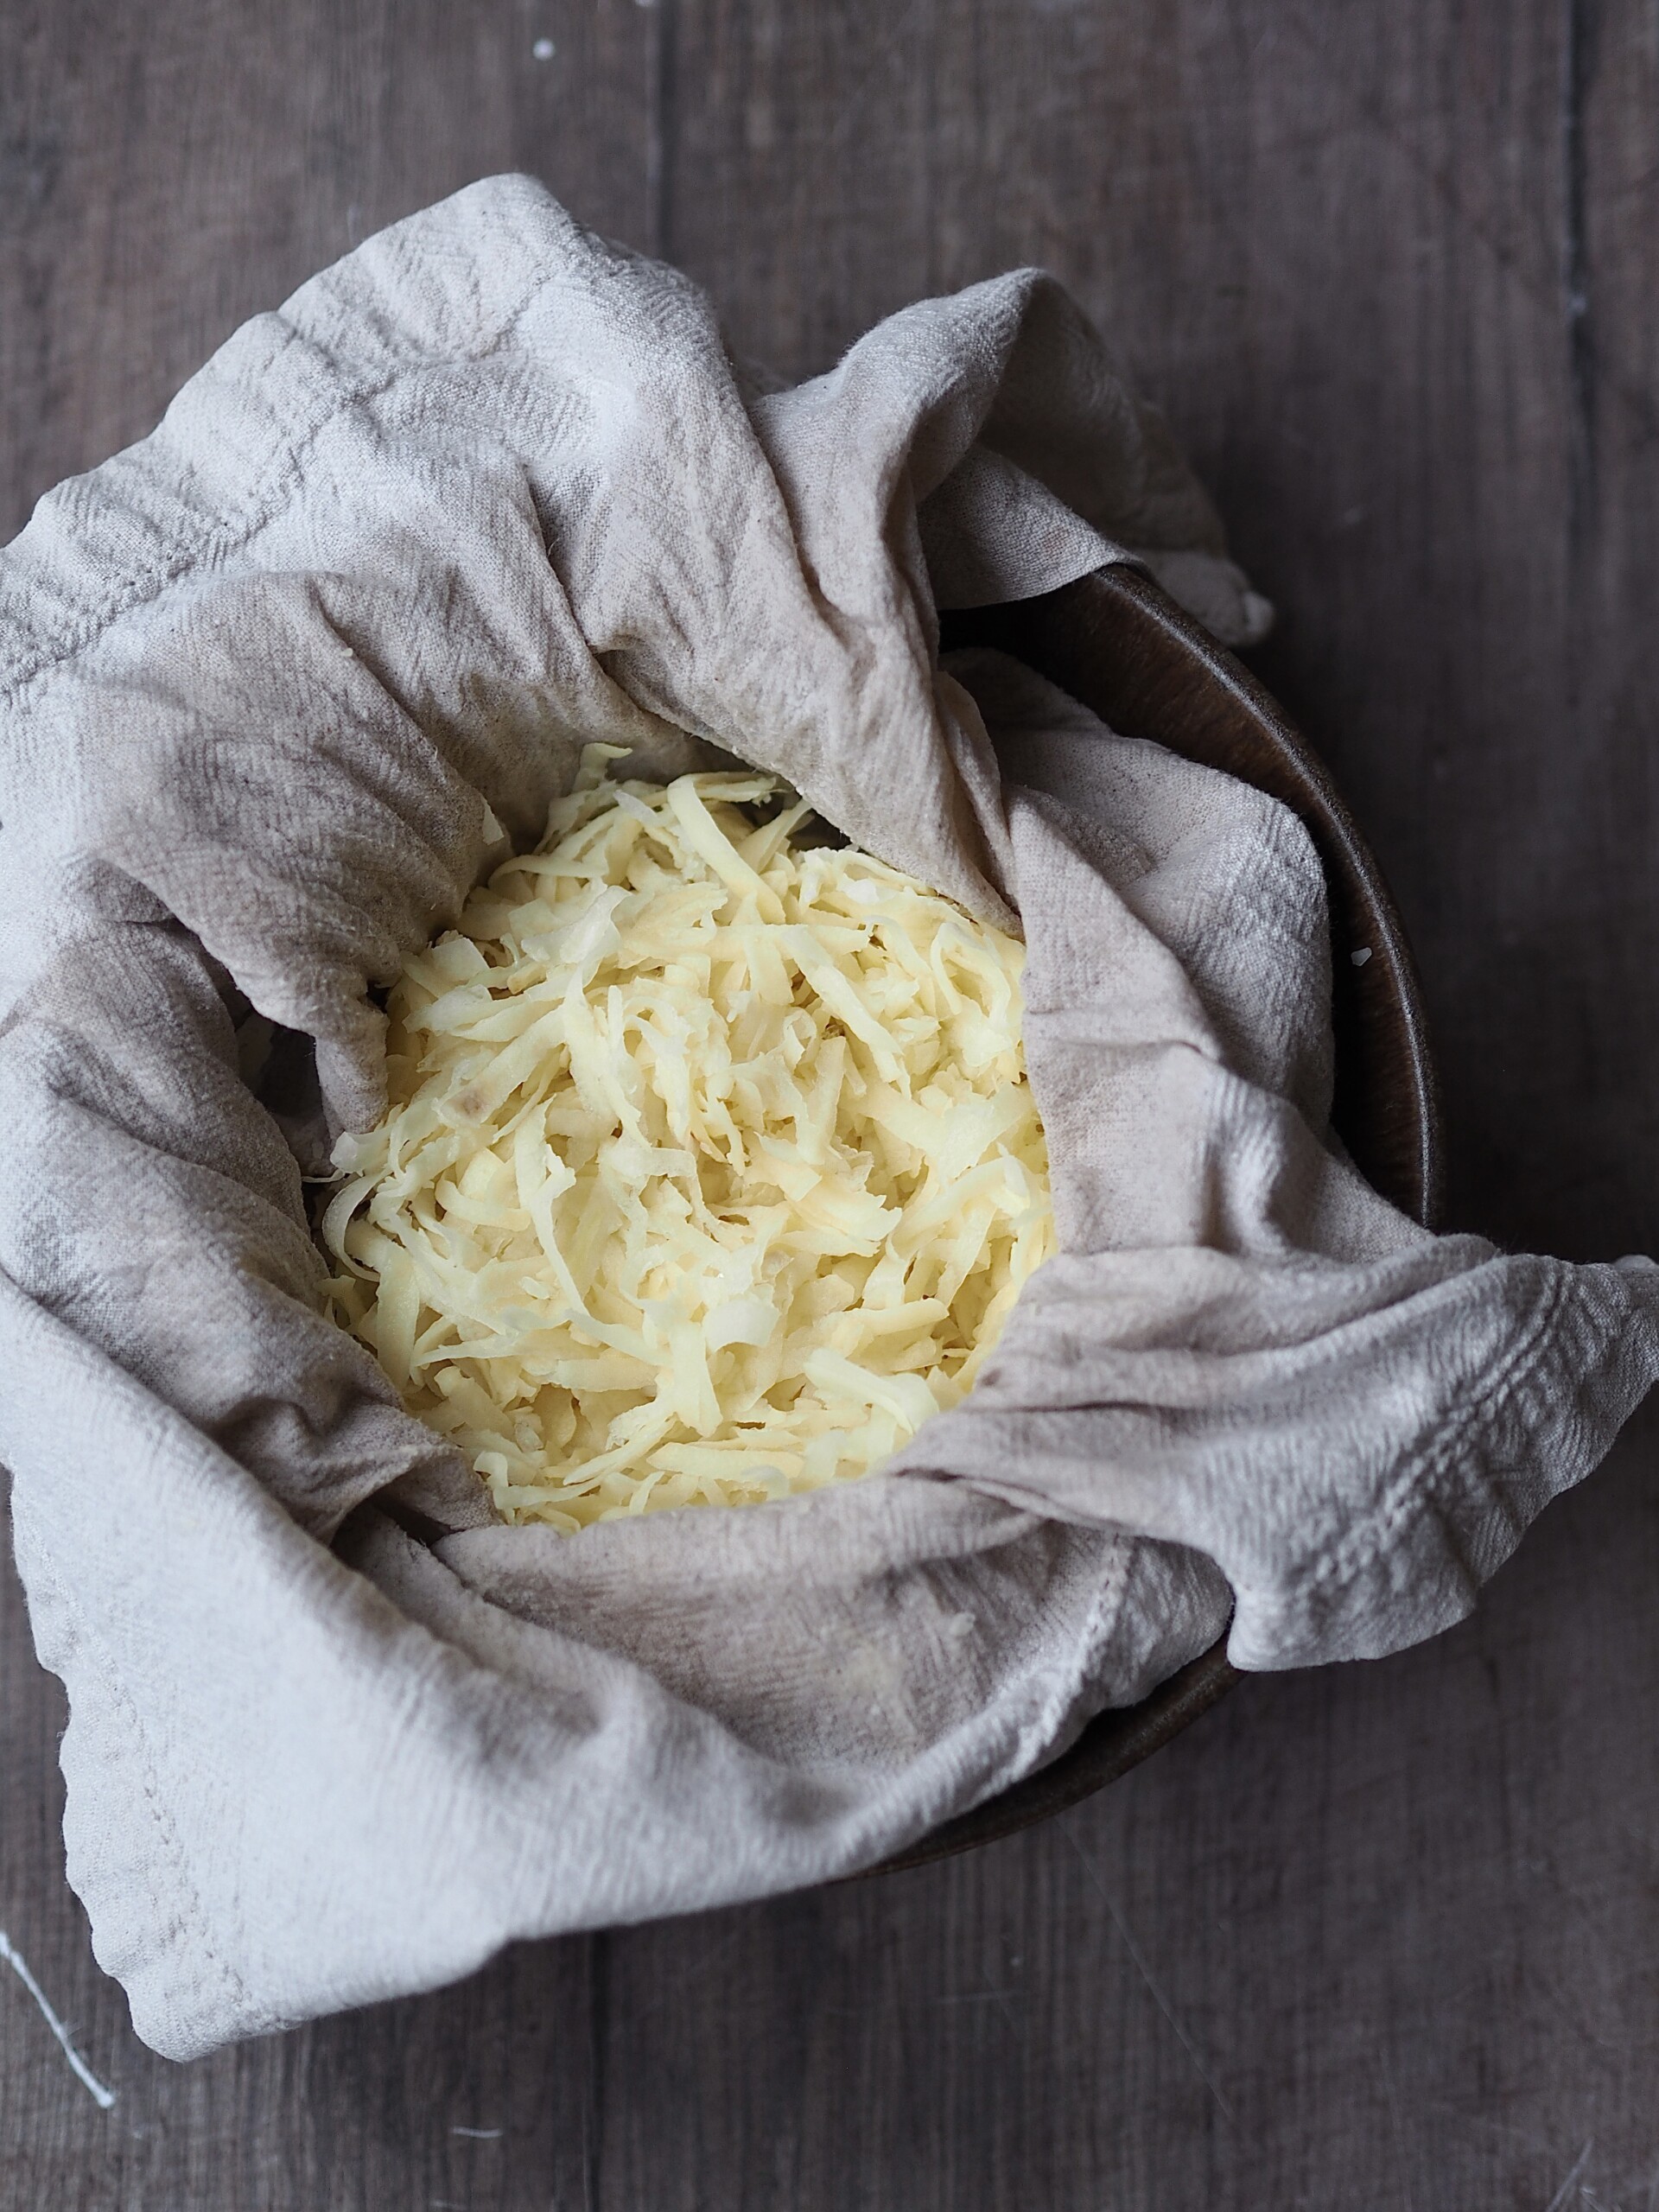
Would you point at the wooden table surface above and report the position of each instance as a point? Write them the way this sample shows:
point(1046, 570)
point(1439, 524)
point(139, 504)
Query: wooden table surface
point(1380, 1937)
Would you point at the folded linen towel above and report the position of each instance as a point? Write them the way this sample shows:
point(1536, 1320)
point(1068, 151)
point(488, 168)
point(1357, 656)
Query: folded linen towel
point(277, 682)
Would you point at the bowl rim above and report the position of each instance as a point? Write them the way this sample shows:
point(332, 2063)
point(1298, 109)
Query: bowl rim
point(1117, 642)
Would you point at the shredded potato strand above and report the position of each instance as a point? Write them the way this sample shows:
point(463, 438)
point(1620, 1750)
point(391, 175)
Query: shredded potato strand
point(711, 1168)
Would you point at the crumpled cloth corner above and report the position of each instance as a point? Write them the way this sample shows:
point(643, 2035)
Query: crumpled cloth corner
point(276, 685)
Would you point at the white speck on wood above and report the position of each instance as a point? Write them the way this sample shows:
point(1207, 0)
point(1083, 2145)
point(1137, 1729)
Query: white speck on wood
point(14, 1958)
point(543, 49)
point(1360, 958)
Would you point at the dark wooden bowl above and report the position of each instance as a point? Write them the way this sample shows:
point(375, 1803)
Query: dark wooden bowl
point(1120, 643)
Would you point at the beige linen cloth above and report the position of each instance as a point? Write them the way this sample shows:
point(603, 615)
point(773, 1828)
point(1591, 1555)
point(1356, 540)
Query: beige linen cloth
point(276, 683)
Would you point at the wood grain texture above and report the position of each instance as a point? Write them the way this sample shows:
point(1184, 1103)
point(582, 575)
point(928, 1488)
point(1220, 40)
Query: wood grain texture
point(1378, 1938)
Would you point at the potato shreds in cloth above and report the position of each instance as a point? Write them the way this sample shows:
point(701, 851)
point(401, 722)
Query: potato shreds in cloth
point(711, 1168)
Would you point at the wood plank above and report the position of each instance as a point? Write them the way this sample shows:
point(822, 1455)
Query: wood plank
point(170, 170)
point(166, 173)
point(1374, 1938)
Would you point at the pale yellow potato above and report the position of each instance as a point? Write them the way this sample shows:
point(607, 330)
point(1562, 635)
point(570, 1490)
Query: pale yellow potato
point(711, 1168)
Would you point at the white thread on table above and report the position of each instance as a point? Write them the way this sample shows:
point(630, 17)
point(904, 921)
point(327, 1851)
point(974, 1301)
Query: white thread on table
point(14, 1958)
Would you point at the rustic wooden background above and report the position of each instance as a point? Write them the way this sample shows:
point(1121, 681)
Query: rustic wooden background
point(1380, 1938)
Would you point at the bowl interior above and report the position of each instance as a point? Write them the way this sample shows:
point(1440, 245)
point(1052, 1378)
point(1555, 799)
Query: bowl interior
point(1118, 643)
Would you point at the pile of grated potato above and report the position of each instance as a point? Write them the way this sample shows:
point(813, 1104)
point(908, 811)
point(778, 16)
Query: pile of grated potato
point(711, 1168)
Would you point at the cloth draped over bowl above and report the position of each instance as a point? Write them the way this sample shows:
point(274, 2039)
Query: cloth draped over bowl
point(278, 683)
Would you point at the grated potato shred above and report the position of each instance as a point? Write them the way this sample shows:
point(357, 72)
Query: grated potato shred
point(711, 1168)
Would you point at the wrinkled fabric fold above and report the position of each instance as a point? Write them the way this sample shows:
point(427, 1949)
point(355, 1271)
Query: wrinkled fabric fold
point(278, 683)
